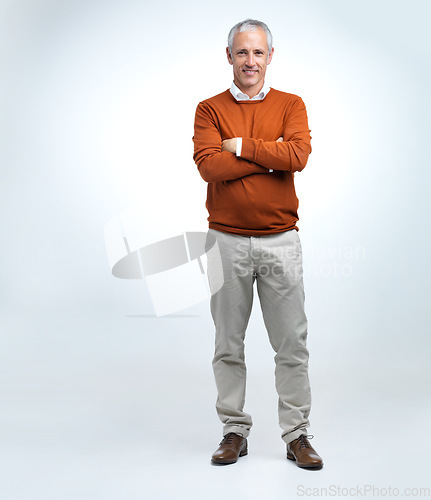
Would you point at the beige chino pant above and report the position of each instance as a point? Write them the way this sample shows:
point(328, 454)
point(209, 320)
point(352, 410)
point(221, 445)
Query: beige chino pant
point(275, 263)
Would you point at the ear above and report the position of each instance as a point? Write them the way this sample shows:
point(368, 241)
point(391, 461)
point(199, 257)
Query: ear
point(229, 57)
point(270, 55)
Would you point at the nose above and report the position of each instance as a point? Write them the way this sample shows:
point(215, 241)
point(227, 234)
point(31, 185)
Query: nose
point(250, 60)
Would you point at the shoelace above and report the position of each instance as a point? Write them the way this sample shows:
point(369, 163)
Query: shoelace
point(304, 441)
point(228, 439)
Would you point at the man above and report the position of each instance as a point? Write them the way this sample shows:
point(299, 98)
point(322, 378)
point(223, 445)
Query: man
point(248, 142)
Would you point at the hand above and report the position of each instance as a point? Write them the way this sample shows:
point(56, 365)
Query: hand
point(229, 145)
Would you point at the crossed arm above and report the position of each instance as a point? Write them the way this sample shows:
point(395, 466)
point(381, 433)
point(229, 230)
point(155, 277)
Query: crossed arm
point(217, 161)
point(230, 144)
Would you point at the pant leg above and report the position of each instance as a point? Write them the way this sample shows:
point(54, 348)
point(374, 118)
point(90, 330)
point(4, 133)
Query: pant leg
point(230, 308)
point(281, 293)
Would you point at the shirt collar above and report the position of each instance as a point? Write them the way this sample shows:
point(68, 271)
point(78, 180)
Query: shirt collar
point(240, 96)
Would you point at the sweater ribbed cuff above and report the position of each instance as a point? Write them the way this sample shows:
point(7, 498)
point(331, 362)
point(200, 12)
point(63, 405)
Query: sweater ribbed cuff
point(249, 150)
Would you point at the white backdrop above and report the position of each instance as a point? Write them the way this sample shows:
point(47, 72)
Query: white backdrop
point(103, 400)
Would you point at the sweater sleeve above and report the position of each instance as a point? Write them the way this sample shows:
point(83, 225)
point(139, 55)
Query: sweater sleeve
point(213, 164)
point(292, 153)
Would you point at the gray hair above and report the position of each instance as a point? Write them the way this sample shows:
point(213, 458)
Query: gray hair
point(249, 25)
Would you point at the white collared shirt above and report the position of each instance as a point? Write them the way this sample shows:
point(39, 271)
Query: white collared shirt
point(240, 96)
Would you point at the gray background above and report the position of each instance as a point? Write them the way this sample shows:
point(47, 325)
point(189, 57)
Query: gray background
point(100, 399)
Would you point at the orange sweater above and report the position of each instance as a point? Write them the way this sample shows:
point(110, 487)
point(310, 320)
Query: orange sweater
point(243, 196)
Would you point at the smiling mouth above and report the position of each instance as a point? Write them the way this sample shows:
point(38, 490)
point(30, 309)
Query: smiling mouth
point(250, 72)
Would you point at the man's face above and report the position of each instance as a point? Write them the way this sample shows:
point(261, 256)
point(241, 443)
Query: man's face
point(249, 59)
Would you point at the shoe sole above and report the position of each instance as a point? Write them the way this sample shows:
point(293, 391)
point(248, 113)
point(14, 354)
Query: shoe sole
point(227, 462)
point(312, 467)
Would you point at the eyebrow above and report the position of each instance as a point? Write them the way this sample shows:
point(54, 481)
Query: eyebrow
point(261, 50)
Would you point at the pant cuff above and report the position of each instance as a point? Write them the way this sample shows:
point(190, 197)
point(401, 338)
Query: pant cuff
point(291, 436)
point(237, 429)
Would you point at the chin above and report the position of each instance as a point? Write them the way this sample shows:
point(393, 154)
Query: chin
point(250, 82)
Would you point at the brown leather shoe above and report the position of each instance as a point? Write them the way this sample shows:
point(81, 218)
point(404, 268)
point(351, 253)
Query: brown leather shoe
point(303, 453)
point(231, 447)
